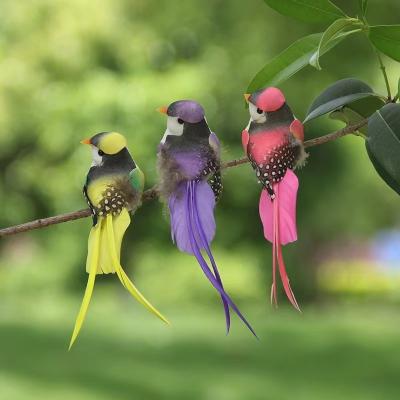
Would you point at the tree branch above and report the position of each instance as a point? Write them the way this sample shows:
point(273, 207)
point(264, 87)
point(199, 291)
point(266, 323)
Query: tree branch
point(152, 193)
point(43, 222)
point(335, 135)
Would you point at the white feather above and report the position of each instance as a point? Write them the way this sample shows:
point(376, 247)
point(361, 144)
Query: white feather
point(255, 116)
point(174, 128)
point(96, 158)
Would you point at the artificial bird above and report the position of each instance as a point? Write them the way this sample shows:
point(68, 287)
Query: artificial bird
point(113, 188)
point(273, 142)
point(190, 183)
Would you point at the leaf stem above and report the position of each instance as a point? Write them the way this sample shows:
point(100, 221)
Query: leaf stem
point(383, 69)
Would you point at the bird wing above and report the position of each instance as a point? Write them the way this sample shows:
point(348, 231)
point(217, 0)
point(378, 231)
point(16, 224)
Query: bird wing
point(215, 144)
point(215, 180)
point(245, 139)
point(297, 130)
point(92, 209)
point(136, 178)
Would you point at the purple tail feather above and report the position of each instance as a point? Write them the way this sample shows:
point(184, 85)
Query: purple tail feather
point(206, 246)
point(193, 229)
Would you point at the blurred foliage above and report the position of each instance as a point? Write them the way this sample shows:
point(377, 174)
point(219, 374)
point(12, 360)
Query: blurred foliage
point(70, 69)
point(346, 353)
point(65, 75)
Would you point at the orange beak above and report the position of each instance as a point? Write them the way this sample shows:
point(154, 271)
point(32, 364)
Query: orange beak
point(86, 141)
point(247, 96)
point(162, 110)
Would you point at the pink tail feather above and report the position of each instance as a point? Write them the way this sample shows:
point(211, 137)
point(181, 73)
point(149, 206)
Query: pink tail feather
point(281, 262)
point(274, 298)
point(279, 222)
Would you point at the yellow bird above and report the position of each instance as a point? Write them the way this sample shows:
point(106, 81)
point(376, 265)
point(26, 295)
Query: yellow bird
point(113, 188)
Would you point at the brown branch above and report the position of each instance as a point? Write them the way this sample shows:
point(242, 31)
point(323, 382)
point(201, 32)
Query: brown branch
point(149, 194)
point(336, 135)
point(152, 193)
point(235, 163)
point(43, 222)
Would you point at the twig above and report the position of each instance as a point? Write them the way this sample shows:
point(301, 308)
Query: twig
point(152, 193)
point(383, 68)
point(335, 135)
point(148, 195)
point(235, 163)
point(43, 222)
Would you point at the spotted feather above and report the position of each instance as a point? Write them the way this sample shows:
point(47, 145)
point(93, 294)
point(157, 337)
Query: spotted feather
point(215, 180)
point(276, 162)
point(112, 202)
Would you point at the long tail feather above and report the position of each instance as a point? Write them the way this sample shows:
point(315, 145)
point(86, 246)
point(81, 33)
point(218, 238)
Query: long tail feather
point(274, 299)
point(122, 275)
point(203, 264)
point(287, 209)
point(93, 262)
point(278, 217)
point(281, 263)
point(209, 253)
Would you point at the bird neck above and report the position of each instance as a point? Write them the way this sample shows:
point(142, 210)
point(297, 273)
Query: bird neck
point(115, 164)
point(194, 134)
point(122, 160)
point(275, 119)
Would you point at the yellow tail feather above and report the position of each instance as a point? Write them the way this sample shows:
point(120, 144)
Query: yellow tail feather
point(93, 259)
point(122, 275)
point(120, 224)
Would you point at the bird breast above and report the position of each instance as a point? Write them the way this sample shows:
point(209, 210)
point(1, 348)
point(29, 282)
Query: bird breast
point(109, 195)
point(262, 146)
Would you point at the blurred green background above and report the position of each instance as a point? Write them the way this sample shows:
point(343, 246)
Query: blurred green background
point(71, 69)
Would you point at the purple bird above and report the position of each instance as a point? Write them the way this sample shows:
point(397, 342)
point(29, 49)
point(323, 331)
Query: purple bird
point(190, 182)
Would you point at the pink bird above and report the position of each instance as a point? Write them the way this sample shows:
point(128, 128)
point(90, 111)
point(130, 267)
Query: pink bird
point(273, 142)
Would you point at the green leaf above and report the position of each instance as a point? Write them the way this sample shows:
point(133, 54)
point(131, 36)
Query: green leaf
point(290, 61)
point(358, 110)
point(349, 117)
point(330, 34)
point(398, 88)
point(319, 11)
point(337, 95)
point(367, 105)
point(383, 144)
point(386, 38)
point(363, 6)
point(391, 182)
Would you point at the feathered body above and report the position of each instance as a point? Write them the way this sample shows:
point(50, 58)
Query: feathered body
point(273, 142)
point(113, 188)
point(190, 183)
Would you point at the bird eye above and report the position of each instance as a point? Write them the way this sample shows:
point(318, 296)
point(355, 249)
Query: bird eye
point(180, 121)
point(259, 111)
point(100, 153)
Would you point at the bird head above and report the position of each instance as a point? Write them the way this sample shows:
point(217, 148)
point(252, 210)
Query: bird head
point(185, 118)
point(265, 103)
point(105, 146)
